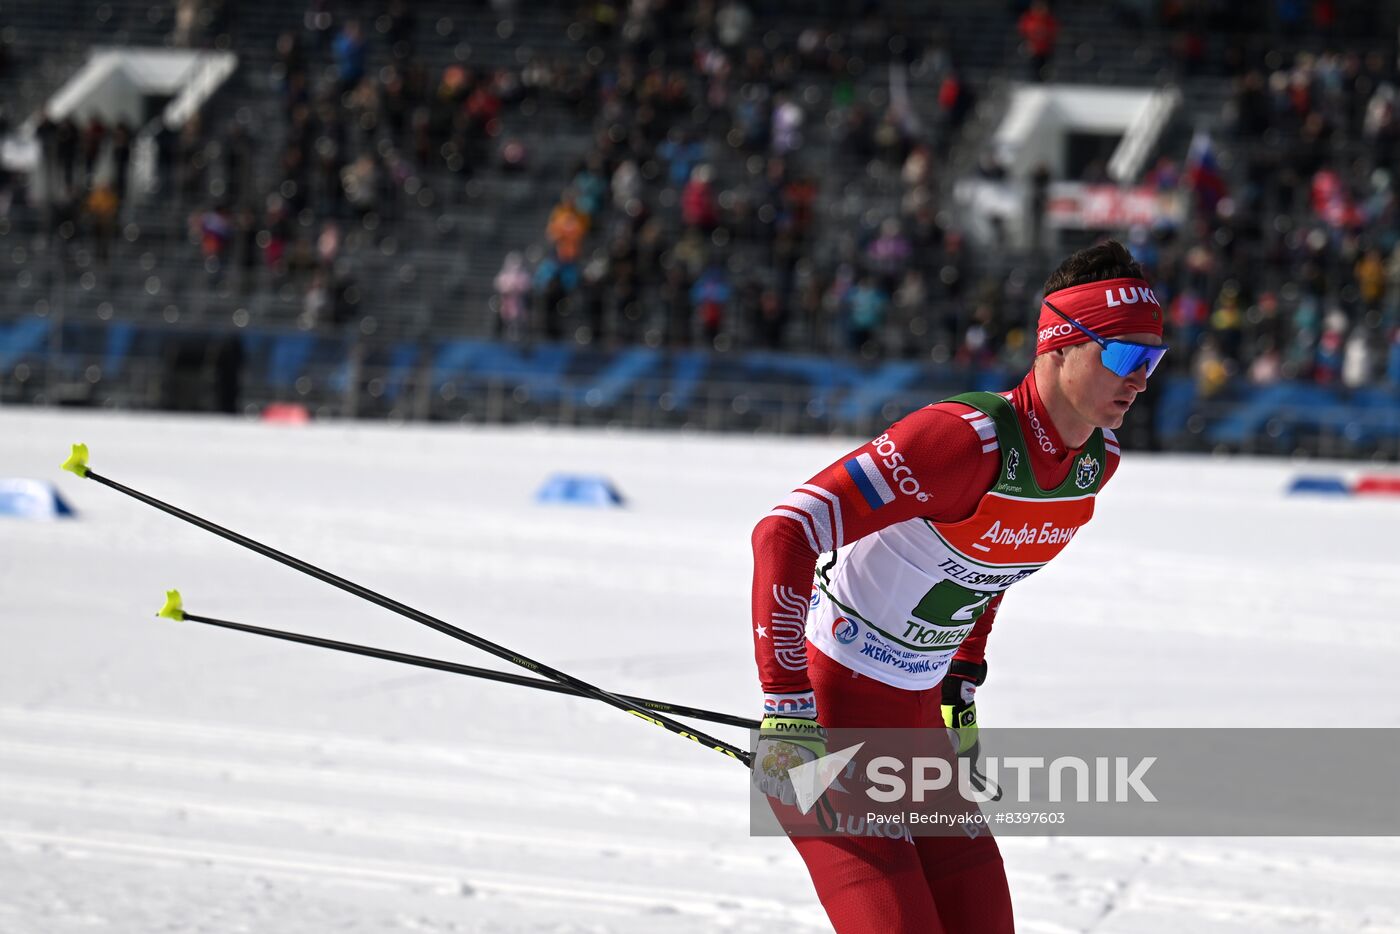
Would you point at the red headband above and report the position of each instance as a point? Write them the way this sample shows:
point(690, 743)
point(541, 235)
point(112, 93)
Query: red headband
point(1108, 308)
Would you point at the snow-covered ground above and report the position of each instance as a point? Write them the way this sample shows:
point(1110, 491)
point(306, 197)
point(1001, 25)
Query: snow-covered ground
point(163, 776)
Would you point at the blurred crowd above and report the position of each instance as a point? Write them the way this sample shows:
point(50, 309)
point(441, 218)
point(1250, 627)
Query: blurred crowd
point(695, 217)
point(1287, 268)
point(690, 219)
point(1290, 268)
point(738, 186)
point(85, 171)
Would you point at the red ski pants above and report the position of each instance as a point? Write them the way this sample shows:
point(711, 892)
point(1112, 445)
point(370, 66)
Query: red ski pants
point(876, 885)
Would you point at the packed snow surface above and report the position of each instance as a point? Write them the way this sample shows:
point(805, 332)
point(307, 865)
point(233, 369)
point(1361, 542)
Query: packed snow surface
point(166, 776)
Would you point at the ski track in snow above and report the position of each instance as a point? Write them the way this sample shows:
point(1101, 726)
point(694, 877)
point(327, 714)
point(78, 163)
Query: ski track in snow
point(159, 776)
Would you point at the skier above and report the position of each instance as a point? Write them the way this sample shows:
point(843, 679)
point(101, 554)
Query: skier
point(919, 534)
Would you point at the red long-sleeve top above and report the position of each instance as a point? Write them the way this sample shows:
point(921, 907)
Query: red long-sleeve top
point(952, 466)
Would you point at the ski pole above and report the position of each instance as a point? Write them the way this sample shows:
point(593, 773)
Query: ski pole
point(174, 609)
point(77, 463)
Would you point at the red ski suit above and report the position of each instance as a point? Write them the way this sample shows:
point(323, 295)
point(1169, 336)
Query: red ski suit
point(874, 884)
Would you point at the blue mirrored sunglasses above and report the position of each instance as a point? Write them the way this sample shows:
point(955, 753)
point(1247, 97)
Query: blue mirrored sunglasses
point(1122, 358)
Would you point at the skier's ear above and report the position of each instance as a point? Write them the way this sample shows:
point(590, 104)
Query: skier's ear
point(1054, 359)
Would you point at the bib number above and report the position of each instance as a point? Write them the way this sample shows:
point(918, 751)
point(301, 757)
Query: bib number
point(947, 602)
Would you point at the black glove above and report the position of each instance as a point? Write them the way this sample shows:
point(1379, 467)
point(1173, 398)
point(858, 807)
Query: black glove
point(960, 715)
point(959, 706)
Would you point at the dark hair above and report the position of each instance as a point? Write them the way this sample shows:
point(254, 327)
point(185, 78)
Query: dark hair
point(1107, 260)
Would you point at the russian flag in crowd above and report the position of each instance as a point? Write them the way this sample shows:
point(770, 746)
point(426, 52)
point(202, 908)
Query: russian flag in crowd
point(1203, 172)
point(869, 481)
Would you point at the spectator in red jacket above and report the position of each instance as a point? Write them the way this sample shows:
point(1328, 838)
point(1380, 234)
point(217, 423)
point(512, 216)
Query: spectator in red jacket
point(1039, 29)
point(698, 205)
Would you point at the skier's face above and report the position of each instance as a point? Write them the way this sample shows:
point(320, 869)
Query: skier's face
point(1099, 396)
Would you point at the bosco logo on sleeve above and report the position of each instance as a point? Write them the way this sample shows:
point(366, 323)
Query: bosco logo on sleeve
point(865, 473)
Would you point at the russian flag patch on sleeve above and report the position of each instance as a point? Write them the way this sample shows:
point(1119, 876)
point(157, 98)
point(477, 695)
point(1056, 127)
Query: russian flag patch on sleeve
point(869, 481)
